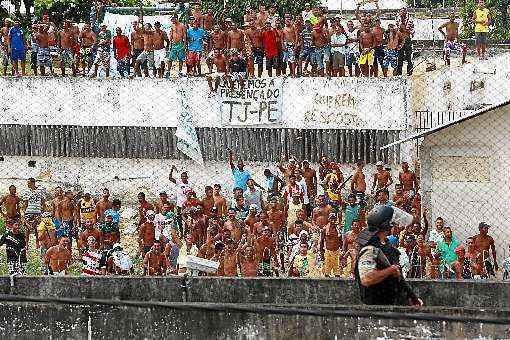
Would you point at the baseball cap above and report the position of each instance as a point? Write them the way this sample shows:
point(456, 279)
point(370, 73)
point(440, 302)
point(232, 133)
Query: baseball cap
point(332, 216)
point(483, 225)
point(379, 163)
point(254, 207)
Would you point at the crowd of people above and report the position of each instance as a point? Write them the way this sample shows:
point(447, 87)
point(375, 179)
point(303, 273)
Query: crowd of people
point(310, 43)
point(301, 222)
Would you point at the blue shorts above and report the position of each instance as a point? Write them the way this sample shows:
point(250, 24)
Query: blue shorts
point(18, 55)
point(319, 57)
point(351, 59)
point(258, 56)
point(307, 53)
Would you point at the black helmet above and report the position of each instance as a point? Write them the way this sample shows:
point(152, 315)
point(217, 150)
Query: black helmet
point(380, 217)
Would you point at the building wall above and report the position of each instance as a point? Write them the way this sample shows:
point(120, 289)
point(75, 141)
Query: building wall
point(465, 175)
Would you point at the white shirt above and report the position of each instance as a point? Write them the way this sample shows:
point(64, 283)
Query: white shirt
point(338, 38)
point(436, 236)
point(304, 188)
point(352, 47)
point(181, 191)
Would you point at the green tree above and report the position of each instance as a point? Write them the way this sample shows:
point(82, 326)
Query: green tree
point(498, 9)
point(236, 9)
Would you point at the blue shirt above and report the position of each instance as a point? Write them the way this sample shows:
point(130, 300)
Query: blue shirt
point(240, 178)
point(114, 214)
point(16, 38)
point(196, 39)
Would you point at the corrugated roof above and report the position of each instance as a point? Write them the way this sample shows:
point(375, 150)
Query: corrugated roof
point(446, 125)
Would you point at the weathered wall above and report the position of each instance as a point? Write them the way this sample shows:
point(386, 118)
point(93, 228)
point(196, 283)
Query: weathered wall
point(465, 175)
point(62, 321)
point(475, 294)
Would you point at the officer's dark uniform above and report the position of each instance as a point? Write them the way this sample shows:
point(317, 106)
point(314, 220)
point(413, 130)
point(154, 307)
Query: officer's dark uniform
point(375, 256)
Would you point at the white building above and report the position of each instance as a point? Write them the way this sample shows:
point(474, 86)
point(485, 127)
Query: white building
point(465, 173)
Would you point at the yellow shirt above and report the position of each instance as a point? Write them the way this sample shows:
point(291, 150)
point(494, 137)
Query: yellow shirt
point(482, 15)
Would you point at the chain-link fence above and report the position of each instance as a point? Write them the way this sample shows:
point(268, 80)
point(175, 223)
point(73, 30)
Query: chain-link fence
point(447, 123)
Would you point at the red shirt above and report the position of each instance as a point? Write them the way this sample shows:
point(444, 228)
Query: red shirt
point(269, 43)
point(121, 46)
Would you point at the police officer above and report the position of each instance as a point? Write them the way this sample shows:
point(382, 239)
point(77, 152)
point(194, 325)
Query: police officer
point(377, 270)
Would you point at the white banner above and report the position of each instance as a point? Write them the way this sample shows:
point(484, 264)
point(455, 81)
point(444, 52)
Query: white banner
point(259, 102)
point(299, 103)
point(187, 139)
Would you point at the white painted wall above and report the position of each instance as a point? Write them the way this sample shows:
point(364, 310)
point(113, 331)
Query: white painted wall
point(465, 175)
point(308, 103)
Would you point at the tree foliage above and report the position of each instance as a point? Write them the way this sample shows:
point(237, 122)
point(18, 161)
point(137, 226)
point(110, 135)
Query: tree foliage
point(236, 9)
point(500, 27)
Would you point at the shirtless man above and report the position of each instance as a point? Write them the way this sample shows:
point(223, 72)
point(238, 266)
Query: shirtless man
point(254, 36)
point(197, 15)
point(206, 251)
point(55, 202)
point(11, 204)
point(220, 203)
point(262, 17)
point(408, 179)
point(208, 201)
point(148, 51)
point(391, 52)
point(276, 216)
point(290, 41)
point(366, 47)
point(58, 258)
point(177, 43)
point(378, 35)
point(161, 44)
point(67, 42)
point(228, 259)
point(259, 226)
point(235, 39)
point(349, 247)
point(102, 205)
point(4, 45)
point(329, 246)
point(87, 40)
point(252, 218)
point(43, 50)
point(320, 40)
point(218, 39)
point(310, 177)
point(146, 234)
point(451, 40)
point(154, 261)
point(249, 15)
point(90, 230)
point(382, 178)
point(208, 20)
point(220, 61)
point(484, 245)
point(358, 183)
point(321, 213)
point(248, 261)
point(137, 44)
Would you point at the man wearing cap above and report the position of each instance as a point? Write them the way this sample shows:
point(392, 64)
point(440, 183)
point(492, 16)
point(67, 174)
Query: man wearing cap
point(249, 15)
point(379, 279)
point(484, 244)
point(330, 247)
point(382, 178)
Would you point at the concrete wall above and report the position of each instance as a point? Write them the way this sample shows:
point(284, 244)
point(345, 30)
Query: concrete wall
point(473, 294)
point(63, 321)
point(465, 175)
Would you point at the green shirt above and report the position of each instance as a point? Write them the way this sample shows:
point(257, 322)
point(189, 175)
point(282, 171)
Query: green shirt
point(448, 255)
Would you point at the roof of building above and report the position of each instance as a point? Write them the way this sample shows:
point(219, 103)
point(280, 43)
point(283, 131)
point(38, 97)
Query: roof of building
point(447, 125)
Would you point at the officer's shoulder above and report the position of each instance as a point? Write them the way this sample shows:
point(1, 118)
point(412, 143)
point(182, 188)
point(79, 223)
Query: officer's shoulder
point(370, 250)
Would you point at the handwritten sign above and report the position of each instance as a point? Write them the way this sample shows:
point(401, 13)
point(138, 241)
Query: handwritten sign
point(257, 102)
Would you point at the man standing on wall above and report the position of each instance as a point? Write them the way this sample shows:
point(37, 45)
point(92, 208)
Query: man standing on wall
point(481, 18)
point(406, 28)
point(176, 50)
point(451, 40)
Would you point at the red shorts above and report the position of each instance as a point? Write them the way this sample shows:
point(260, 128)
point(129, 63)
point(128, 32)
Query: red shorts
point(193, 58)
